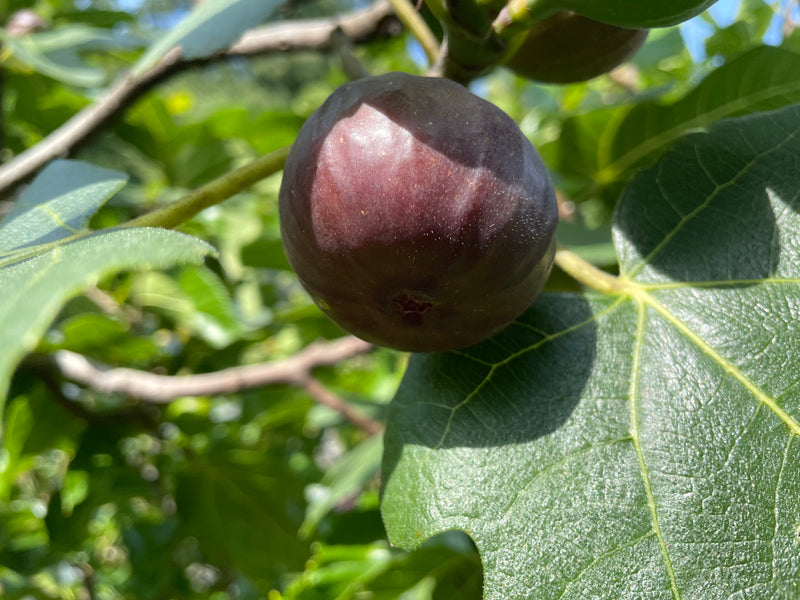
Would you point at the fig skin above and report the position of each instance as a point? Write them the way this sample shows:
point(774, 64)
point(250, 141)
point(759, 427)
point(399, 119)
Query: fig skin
point(417, 215)
point(568, 48)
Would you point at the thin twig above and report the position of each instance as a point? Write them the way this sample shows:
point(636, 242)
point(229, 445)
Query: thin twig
point(161, 389)
point(344, 47)
point(106, 303)
point(414, 22)
point(301, 34)
point(324, 396)
point(788, 22)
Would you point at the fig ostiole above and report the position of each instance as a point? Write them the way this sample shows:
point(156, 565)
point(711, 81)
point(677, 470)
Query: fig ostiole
point(417, 215)
point(568, 48)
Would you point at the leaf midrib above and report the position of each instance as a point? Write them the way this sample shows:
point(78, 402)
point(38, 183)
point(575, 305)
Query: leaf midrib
point(645, 474)
point(643, 299)
point(641, 296)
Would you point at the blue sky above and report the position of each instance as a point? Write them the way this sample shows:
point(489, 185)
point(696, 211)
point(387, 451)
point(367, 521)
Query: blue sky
point(724, 13)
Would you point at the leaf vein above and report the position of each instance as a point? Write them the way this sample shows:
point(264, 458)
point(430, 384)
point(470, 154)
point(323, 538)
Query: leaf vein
point(496, 366)
point(634, 408)
point(777, 515)
point(604, 556)
point(793, 425)
point(563, 460)
point(711, 197)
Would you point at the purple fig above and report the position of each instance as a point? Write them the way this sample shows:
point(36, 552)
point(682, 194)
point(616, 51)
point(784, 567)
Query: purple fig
point(567, 48)
point(417, 215)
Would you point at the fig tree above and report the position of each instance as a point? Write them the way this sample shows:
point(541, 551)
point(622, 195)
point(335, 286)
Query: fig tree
point(417, 215)
point(567, 47)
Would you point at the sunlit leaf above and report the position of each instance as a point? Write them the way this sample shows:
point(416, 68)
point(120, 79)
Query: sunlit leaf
point(644, 445)
point(49, 257)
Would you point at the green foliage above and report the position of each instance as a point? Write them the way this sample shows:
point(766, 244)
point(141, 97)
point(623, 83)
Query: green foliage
point(637, 441)
point(639, 428)
point(48, 256)
point(58, 53)
point(604, 151)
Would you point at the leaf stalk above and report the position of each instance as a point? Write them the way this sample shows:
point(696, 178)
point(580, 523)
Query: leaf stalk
point(587, 274)
point(414, 22)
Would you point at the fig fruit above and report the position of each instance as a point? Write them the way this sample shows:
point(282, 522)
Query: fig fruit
point(567, 48)
point(417, 215)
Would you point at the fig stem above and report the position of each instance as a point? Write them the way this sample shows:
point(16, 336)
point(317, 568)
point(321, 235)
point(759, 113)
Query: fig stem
point(587, 274)
point(213, 192)
point(414, 22)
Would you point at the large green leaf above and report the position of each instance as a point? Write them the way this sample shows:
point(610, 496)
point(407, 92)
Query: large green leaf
point(644, 445)
point(47, 256)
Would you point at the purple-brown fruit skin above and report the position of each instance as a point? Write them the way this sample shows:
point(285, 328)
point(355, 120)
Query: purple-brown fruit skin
point(568, 48)
point(417, 215)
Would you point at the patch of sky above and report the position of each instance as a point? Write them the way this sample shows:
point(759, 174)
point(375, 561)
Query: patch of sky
point(166, 20)
point(159, 20)
point(480, 87)
point(416, 53)
point(696, 31)
point(724, 12)
point(783, 8)
point(129, 6)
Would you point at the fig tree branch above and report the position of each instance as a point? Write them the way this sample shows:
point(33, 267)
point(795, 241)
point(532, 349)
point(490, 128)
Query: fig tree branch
point(312, 34)
point(160, 389)
point(214, 192)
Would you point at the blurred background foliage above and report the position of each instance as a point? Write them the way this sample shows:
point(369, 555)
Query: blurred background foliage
point(261, 494)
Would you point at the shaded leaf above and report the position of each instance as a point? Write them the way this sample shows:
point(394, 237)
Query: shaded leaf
point(645, 445)
point(239, 506)
point(197, 300)
point(764, 78)
point(266, 253)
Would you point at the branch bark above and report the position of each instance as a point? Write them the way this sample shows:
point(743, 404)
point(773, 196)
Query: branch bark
point(160, 389)
point(312, 34)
